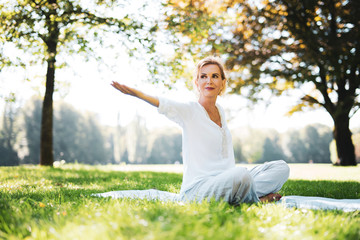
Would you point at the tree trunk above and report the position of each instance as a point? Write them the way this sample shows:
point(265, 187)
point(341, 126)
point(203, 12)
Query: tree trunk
point(344, 145)
point(51, 40)
point(46, 142)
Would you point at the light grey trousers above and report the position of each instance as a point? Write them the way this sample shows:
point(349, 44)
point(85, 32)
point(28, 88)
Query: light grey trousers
point(239, 184)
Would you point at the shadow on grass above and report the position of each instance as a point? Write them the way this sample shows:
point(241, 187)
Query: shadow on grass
point(95, 181)
point(39, 182)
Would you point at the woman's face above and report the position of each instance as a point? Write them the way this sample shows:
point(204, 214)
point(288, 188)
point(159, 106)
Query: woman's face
point(209, 81)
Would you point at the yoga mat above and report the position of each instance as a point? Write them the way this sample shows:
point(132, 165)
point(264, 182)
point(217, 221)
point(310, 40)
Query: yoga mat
point(317, 203)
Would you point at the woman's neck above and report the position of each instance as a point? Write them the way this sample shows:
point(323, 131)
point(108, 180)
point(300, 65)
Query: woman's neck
point(211, 109)
point(207, 103)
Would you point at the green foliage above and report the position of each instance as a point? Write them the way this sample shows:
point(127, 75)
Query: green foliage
point(54, 203)
point(43, 29)
point(70, 24)
point(278, 46)
point(11, 98)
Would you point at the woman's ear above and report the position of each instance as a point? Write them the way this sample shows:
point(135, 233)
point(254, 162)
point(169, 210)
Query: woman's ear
point(197, 83)
point(223, 86)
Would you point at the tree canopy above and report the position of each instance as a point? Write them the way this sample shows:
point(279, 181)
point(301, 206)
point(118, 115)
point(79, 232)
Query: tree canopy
point(46, 29)
point(278, 46)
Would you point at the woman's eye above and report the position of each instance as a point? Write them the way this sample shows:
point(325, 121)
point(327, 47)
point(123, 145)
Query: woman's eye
point(203, 76)
point(215, 76)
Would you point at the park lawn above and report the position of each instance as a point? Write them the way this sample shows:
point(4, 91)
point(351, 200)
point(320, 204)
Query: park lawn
point(56, 203)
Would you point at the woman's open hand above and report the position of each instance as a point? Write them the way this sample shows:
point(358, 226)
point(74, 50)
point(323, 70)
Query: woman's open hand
point(125, 89)
point(136, 93)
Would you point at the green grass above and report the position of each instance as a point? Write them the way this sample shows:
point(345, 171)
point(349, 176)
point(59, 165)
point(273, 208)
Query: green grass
point(55, 203)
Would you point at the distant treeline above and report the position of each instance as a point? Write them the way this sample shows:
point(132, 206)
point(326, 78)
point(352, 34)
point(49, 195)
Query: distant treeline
point(79, 137)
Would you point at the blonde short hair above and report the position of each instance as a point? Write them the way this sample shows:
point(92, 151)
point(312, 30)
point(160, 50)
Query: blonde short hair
point(207, 61)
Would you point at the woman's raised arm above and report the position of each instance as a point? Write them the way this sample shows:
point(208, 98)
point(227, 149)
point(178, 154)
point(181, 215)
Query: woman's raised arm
point(136, 93)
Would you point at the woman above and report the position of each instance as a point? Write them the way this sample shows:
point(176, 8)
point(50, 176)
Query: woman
point(208, 157)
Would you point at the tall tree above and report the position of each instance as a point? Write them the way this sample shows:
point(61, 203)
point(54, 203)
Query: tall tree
point(48, 28)
point(280, 46)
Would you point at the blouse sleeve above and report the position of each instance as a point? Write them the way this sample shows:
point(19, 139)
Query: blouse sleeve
point(178, 112)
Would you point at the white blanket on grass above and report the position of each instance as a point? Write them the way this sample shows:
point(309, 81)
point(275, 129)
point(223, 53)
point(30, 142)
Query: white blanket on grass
point(318, 203)
point(150, 194)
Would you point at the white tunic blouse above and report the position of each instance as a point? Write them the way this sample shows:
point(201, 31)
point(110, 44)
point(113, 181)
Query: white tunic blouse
point(206, 147)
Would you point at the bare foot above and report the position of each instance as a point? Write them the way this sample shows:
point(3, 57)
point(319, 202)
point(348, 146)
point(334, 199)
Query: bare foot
point(271, 197)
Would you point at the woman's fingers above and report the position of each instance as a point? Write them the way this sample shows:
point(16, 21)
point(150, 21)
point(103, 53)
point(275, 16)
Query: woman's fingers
point(119, 87)
point(136, 93)
point(123, 88)
point(127, 90)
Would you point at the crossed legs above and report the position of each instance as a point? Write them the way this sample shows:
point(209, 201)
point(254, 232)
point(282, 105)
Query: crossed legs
point(238, 184)
point(269, 178)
